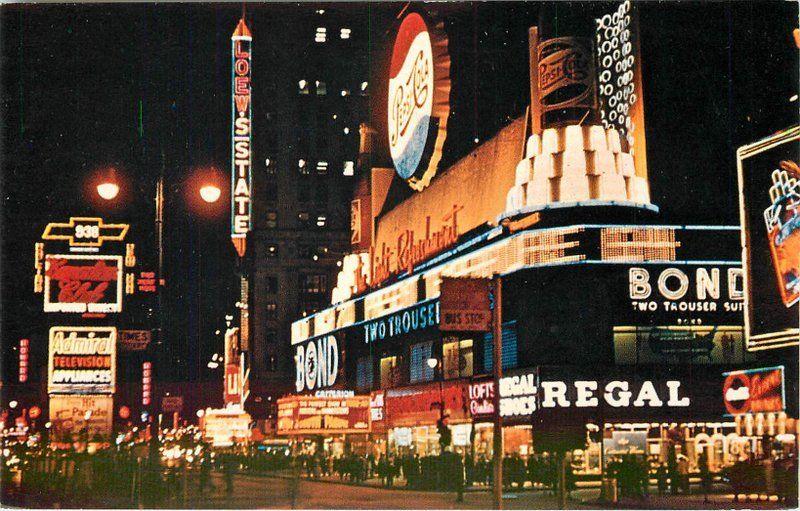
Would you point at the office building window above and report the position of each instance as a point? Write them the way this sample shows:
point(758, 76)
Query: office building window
point(509, 337)
point(271, 311)
point(271, 337)
point(345, 33)
point(302, 86)
point(303, 217)
point(419, 368)
point(302, 166)
point(269, 165)
point(271, 219)
point(321, 35)
point(322, 167)
point(322, 220)
point(271, 284)
point(272, 250)
point(314, 283)
point(349, 168)
point(458, 359)
point(390, 372)
point(322, 89)
point(272, 363)
point(364, 373)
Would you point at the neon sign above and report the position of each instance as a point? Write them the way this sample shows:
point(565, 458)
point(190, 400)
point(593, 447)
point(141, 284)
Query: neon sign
point(782, 219)
point(241, 136)
point(85, 232)
point(24, 347)
point(753, 391)
point(82, 360)
point(316, 363)
point(83, 283)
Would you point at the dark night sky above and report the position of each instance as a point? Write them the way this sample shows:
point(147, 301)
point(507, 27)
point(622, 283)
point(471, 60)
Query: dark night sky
point(93, 85)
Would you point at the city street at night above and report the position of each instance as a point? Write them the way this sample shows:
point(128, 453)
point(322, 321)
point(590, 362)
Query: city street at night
point(400, 255)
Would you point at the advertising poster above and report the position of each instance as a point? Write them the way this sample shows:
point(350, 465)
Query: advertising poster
point(314, 415)
point(73, 415)
point(754, 391)
point(696, 344)
point(769, 207)
point(82, 360)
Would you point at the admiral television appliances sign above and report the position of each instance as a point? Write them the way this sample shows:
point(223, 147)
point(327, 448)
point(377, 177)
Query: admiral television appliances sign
point(769, 208)
point(82, 360)
point(418, 100)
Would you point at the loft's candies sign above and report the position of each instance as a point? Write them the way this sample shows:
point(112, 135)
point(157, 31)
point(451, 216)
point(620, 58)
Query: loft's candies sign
point(753, 391)
point(241, 159)
point(316, 363)
point(82, 360)
point(418, 101)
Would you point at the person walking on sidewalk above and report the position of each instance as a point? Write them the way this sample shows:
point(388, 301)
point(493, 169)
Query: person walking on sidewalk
point(705, 475)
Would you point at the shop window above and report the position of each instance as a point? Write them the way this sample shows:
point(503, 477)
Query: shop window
point(390, 370)
point(364, 373)
point(419, 368)
point(458, 357)
point(509, 348)
point(271, 311)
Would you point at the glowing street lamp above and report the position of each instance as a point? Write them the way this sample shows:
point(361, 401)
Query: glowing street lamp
point(108, 190)
point(210, 193)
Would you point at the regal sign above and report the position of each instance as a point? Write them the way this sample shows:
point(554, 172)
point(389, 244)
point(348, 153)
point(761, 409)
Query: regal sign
point(418, 102)
point(241, 136)
point(754, 391)
point(83, 283)
point(82, 360)
point(769, 209)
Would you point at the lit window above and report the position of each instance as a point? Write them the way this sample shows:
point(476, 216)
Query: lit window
point(272, 250)
point(321, 35)
point(364, 85)
point(419, 368)
point(303, 86)
point(271, 309)
point(303, 216)
point(345, 92)
point(344, 33)
point(272, 364)
point(322, 220)
point(320, 11)
point(270, 166)
point(314, 283)
point(390, 372)
point(301, 165)
point(322, 167)
point(346, 130)
point(458, 358)
point(322, 89)
point(349, 168)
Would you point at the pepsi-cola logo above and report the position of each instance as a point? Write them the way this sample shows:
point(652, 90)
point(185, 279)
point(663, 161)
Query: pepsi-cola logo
point(410, 102)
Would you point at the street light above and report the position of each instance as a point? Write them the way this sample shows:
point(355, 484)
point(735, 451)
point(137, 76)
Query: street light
point(210, 193)
point(108, 190)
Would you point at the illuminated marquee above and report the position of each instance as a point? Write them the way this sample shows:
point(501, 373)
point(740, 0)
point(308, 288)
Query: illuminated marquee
point(669, 289)
point(83, 283)
point(241, 136)
point(418, 100)
point(82, 360)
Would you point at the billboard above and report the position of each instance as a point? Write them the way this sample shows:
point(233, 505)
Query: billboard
point(464, 305)
point(75, 283)
point(134, 340)
point(754, 391)
point(418, 100)
point(82, 360)
point(315, 415)
point(769, 208)
point(73, 415)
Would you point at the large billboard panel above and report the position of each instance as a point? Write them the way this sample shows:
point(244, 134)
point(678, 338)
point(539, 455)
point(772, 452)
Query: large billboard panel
point(83, 283)
point(769, 207)
point(73, 415)
point(82, 360)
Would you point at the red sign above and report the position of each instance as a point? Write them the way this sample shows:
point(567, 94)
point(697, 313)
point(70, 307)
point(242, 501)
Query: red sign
point(171, 404)
point(34, 412)
point(411, 405)
point(83, 283)
point(124, 412)
point(147, 378)
point(23, 359)
point(146, 282)
point(481, 399)
point(754, 391)
point(464, 305)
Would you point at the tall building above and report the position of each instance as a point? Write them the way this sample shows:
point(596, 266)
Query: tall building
point(309, 97)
